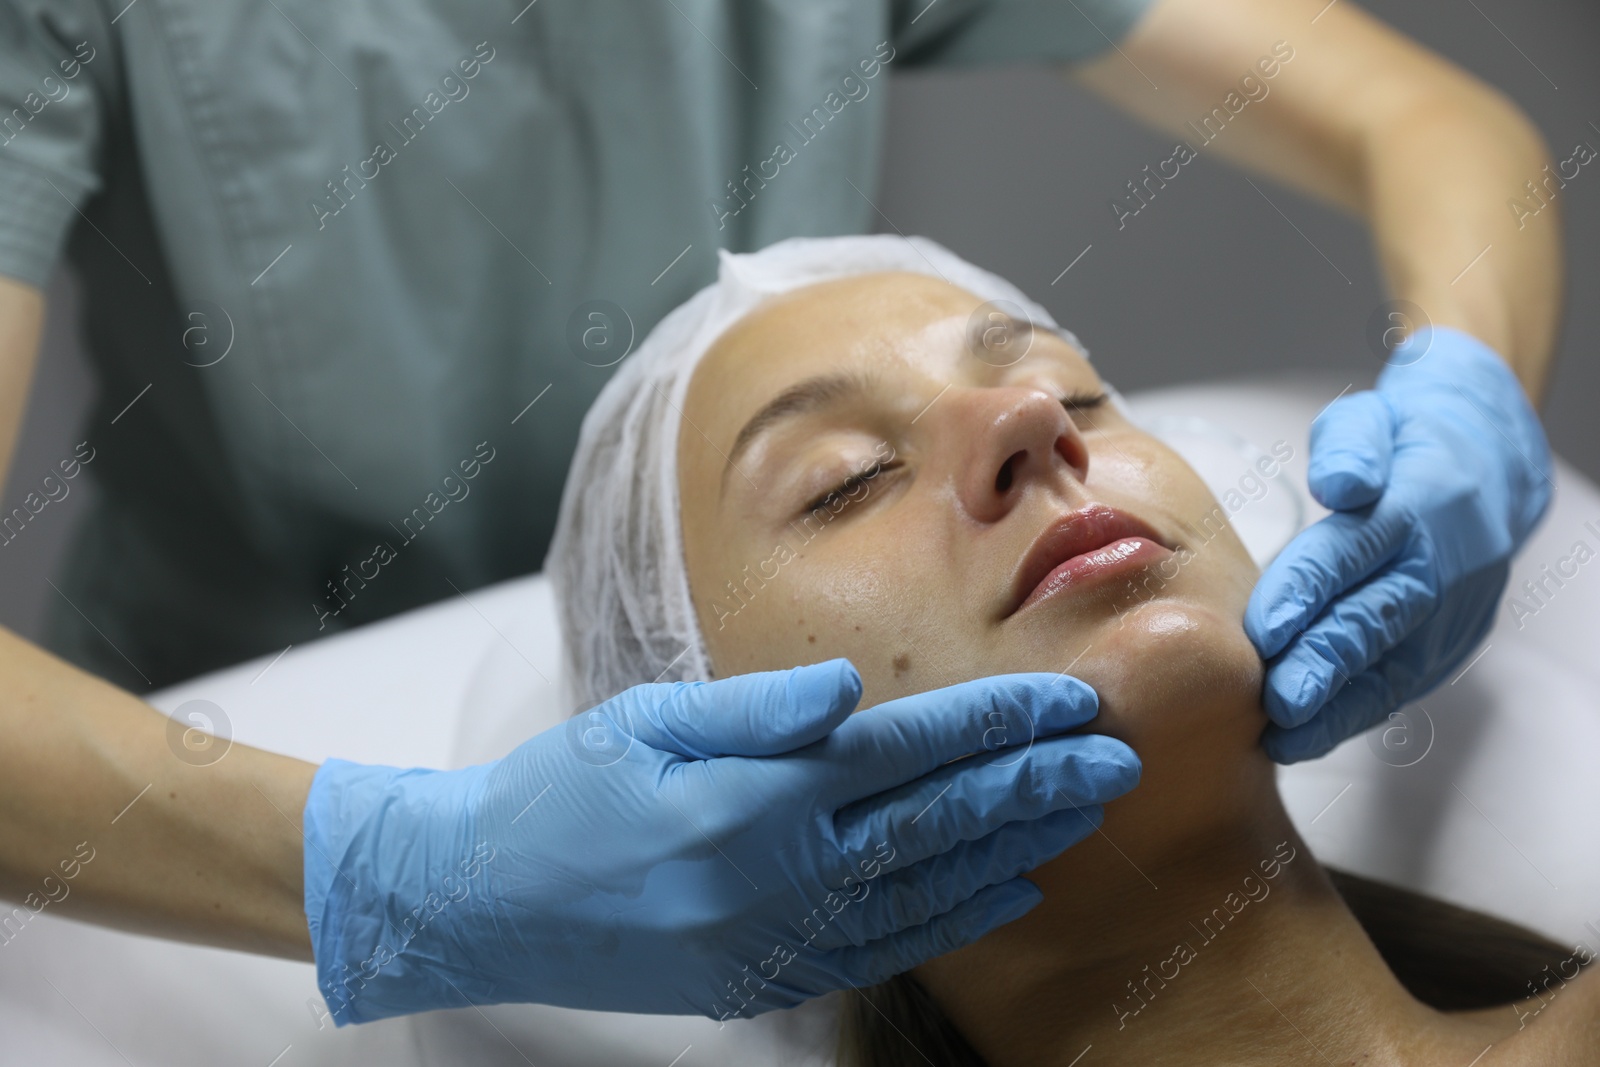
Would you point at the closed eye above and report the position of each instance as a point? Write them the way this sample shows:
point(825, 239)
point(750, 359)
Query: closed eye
point(1083, 401)
point(848, 489)
point(1079, 405)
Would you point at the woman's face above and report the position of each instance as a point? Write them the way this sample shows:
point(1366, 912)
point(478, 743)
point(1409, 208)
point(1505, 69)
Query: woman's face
point(858, 481)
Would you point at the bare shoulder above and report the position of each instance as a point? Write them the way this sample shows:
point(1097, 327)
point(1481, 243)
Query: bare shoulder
point(1562, 1029)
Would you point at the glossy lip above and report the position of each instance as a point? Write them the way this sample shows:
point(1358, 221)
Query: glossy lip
point(1092, 542)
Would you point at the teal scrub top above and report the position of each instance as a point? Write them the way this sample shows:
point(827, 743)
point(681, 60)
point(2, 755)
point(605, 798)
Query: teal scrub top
point(353, 272)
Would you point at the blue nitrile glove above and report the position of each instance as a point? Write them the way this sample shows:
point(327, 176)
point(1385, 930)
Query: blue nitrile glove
point(711, 848)
point(1374, 605)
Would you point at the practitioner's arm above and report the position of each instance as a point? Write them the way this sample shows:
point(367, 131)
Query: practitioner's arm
point(100, 819)
point(209, 854)
point(650, 856)
point(1370, 120)
point(21, 322)
point(1437, 476)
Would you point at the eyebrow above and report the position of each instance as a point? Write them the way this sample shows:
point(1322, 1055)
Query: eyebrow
point(802, 398)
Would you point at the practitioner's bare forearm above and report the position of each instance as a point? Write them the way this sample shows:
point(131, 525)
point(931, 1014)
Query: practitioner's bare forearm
point(1454, 248)
point(1365, 118)
point(21, 321)
point(101, 820)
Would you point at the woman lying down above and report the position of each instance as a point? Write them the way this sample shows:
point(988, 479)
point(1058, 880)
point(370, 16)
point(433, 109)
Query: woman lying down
point(817, 457)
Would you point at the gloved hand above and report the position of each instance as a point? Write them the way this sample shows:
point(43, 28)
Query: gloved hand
point(1435, 479)
point(711, 848)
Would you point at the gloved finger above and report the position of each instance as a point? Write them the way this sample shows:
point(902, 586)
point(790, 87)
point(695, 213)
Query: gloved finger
point(1320, 563)
point(1352, 445)
point(875, 905)
point(972, 798)
point(963, 924)
point(1349, 637)
point(1361, 704)
point(759, 714)
point(1412, 669)
point(901, 740)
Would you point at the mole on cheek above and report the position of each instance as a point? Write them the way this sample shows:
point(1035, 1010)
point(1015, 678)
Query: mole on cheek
point(811, 639)
point(902, 663)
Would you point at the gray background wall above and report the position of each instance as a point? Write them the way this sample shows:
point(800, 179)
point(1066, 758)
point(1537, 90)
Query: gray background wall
point(1013, 169)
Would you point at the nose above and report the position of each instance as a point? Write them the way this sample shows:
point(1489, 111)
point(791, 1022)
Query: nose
point(1008, 438)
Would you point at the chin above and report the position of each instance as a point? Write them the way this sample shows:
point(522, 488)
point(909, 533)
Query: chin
point(1173, 673)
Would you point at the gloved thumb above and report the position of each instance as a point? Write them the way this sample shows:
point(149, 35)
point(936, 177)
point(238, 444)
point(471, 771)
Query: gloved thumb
point(1352, 444)
point(760, 714)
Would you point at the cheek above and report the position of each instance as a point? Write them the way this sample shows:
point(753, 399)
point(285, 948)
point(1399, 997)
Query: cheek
point(1145, 472)
point(1131, 465)
point(867, 593)
point(827, 601)
point(1163, 479)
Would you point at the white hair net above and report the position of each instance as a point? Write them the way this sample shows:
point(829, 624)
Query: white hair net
point(617, 561)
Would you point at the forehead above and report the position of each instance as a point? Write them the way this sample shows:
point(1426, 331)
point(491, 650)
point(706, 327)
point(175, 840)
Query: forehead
point(913, 321)
point(809, 329)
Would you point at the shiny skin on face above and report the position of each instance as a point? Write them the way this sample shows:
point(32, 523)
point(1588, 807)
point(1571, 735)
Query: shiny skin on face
point(887, 486)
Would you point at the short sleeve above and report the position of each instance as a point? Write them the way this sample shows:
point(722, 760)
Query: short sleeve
point(976, 32)
point(52, 116)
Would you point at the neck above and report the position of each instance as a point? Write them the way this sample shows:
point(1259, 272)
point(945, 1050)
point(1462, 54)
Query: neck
point(1156, 943)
